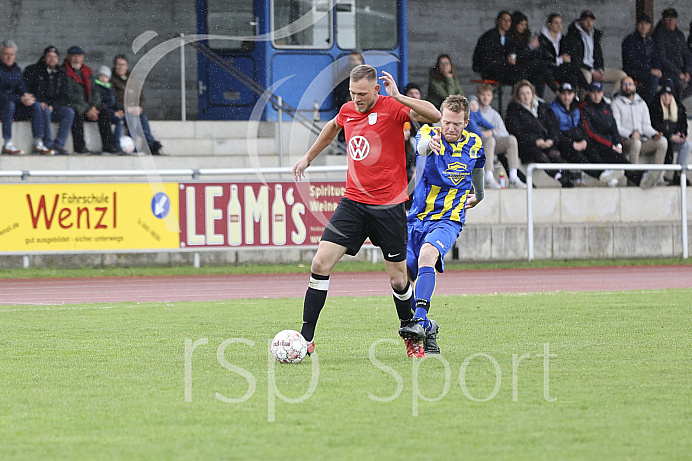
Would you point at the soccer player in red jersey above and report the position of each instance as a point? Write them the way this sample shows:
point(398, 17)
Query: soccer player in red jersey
point(376, 189)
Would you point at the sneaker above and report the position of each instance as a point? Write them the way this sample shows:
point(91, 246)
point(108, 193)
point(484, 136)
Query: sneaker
point(613, 182)
point(311, 346)
point(431, 339)
point(10, 148)
point(491, 183)
point(414, 348)
point(608, 175)
point(412, 329)
point(40, 148)
point(155, 148)
point(650, 178)
point(516, 183)
point(565, 181)
point(60, 151)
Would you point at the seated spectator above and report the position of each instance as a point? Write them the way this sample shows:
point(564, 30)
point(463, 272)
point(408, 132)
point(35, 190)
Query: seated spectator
point(477, 123)
point(529, 120)
point(110, 102)
point(669, 117)
point(603, 134)
point(85, 100)
point(572, 140)
point(491, 56)
point(48, 83)
point(557, 62)
point(526, 55)
point(134, 114)
point(634, 125)
point(583, 44)
point(676, 58)
point(443, 80)
point(14, 95)
point(342, 94)
point(410, 130)
point(499, 143)
point(640, 58)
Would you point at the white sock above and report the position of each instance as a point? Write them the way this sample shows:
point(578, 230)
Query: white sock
point(489, 174)
point(513, 174)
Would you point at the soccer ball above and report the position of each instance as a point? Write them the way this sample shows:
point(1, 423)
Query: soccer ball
point(127, 144)
point(289, 346)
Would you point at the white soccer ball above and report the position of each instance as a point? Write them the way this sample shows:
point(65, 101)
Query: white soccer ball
point(289, 346)
point(127, 144)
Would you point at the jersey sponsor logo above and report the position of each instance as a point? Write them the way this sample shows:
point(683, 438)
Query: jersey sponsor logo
point(358, 148)
point(372, 118)
point(456, 172)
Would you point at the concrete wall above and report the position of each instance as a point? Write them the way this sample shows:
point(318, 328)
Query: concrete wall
point(106, 27)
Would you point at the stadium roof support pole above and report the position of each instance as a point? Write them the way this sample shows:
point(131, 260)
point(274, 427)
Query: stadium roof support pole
point(183, 102)
point(601, 167)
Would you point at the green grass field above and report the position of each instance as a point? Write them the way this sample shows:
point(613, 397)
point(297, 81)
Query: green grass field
point(110, 381)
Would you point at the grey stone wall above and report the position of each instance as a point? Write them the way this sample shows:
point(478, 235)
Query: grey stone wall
point(106, 27)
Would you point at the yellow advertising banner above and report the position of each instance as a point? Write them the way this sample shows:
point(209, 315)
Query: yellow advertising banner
point(74, 217)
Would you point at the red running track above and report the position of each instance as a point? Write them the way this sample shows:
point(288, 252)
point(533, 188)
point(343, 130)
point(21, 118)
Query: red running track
point(222, 287)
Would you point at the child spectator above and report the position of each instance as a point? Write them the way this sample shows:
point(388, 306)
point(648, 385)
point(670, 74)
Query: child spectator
point(110, 102)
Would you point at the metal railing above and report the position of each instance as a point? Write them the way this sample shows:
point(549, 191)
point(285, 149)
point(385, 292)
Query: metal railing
point(601, 167)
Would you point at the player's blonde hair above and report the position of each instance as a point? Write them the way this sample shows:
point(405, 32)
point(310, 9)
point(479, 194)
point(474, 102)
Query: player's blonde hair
point(456, 103)
point(364, 71)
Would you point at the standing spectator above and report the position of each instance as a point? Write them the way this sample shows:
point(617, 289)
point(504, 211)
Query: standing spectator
point(530, 121)
point(640, 58)
point(134, 115)
point(634, 125)
point(558, 63)
point(500, 143)
point(110, 102)
point(491, 57)
point(443, 80)
point(583, 44)
point(603, 134)
point(676, 58)
point(85, 100)
point(341, 93)
point(670, 118)
point(572, 140)
point(528, 60)
point(13, 93)
point(48, 83)
point(410, 130)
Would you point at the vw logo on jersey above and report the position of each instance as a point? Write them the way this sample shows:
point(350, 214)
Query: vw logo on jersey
point(358, 148)
point(160, 205)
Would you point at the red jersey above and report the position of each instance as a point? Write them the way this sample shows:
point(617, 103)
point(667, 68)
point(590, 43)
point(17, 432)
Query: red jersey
point(376, 153)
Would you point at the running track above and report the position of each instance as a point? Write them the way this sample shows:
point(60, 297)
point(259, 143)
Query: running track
point(223, 287)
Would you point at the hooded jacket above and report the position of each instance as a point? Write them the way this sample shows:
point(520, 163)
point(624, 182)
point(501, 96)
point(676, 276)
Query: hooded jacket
point(668, 127)
point(639, 55)
point(574, 46)
point(632, 115)
point(568, 121)
point(528, 128)
point(550, 51)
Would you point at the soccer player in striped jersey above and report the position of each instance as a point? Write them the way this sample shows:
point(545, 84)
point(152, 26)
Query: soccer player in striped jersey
point(452, 161)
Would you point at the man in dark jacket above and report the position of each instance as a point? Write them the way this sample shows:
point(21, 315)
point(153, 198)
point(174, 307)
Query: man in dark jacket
point(604, 139)
point(583, 44)
point(491, 57)
point(85, 99)
point(640, 58)
point(676, 59)
point(571, 137)
point(48, 83)
point(14, 95)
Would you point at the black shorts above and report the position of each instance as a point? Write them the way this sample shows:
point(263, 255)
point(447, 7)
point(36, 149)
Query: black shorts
point(353, 222)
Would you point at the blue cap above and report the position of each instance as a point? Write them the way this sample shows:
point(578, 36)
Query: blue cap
point(595, 86)
point(75, 50)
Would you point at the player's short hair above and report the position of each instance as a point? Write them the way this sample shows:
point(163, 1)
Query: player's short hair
point(364, 71)
point(483, 87)
point(456, 103)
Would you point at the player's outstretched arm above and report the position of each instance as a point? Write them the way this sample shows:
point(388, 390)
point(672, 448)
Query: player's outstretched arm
point(327, 135)
point(421, 110)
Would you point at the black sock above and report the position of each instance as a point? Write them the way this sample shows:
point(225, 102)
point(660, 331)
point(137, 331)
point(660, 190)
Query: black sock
point(402, 301)
point(315, 298)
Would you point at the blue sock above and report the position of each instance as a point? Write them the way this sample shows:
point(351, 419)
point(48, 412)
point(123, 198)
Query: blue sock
point(424, 290)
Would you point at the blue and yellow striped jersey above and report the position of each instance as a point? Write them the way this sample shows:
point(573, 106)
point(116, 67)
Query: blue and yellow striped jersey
point(443, 181)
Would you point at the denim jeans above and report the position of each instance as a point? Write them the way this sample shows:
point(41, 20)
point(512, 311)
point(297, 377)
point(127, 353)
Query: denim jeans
point(9, 109)
point(133, 123)
point(64, 116)
point(118, 131)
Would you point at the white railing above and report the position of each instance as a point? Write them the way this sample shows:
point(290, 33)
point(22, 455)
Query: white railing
point(603, 166)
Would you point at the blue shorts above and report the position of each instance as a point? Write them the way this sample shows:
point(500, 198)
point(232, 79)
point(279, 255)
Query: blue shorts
point(440, 234)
